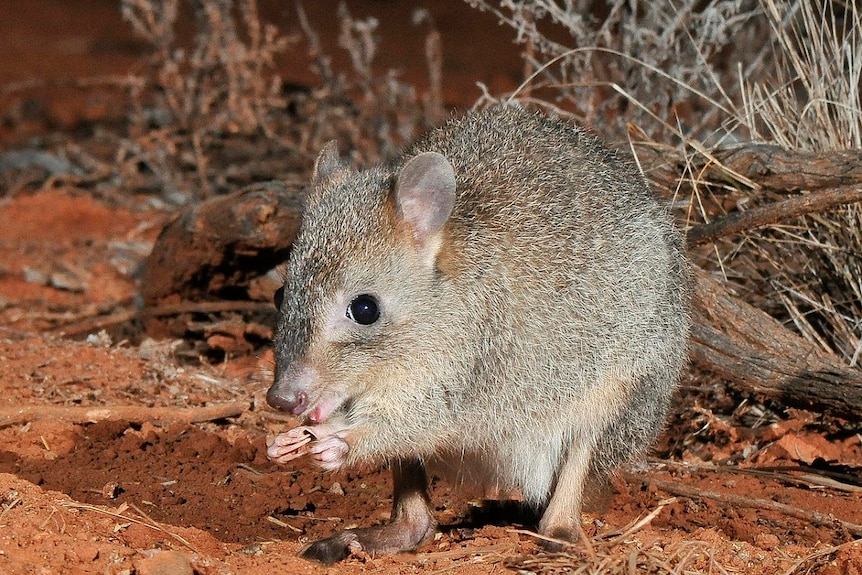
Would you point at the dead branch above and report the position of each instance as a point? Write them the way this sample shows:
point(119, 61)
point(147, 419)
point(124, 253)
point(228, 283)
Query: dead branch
point(776, 168)
point(800, 475)
point(757, 354)
point(767, 166)
point(213, 250)
point(218, 245)
point(733, 500)
point(94, 324)
point(773, 213)
point(132, 413)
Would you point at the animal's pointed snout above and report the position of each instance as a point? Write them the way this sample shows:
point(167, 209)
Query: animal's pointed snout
point(294, 402)
point(290, 391)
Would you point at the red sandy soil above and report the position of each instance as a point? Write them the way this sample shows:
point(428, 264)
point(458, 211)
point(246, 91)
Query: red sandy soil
point(84, 492)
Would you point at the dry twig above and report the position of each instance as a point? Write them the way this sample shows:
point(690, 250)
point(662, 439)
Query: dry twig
point(132, 413)
point(733, 500)
point(757, 354)
point(774, 213)
point(150, 523)
point(94, 324)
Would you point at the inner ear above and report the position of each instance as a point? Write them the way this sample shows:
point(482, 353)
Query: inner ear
point(425, 194)
point(327, 163)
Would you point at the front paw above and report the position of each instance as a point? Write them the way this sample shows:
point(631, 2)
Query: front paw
point(326, 443)
point(332, 549)
point(329, 452)
point(290, 445)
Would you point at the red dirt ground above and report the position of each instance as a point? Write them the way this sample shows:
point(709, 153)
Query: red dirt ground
point(83, 494)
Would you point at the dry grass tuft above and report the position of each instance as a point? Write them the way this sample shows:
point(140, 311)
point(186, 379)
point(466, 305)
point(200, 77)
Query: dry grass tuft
point(621, 554)
point(623, 559)
point(621, 62)
point(813, 264)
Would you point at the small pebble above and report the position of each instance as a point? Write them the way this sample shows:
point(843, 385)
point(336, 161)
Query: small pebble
point(164, 563)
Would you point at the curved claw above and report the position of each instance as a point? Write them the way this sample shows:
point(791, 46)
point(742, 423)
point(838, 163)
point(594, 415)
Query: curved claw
point(333, 549)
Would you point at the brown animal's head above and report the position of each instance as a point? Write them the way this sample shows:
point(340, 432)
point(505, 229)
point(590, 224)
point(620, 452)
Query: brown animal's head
point(363, 293)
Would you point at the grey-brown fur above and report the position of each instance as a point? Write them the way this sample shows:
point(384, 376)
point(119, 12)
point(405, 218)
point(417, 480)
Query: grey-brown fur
point(532, 341)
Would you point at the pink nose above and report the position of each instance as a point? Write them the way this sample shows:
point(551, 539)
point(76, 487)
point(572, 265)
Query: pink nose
point(285, 400)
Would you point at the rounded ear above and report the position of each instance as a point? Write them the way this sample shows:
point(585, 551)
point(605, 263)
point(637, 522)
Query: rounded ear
point(425, 193)
point(327, 162)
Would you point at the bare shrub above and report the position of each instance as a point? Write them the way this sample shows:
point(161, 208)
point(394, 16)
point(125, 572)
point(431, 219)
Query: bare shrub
point(214, 113)
point(223, 84)
point(654, 64)
point(372, 116)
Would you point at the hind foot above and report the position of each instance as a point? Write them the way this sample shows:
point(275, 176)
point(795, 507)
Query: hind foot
point(411, 525)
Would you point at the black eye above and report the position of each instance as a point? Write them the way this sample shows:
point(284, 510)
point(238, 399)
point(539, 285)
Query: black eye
point(364, 309)
point(278, 297)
